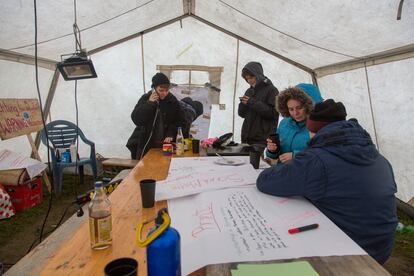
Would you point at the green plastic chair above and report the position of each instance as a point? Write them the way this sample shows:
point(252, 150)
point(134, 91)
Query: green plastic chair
point(61, 134)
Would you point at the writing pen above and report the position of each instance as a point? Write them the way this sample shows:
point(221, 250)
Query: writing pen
point(303, 228)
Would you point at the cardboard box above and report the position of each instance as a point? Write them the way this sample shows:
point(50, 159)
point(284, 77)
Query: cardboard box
point(26, 195)
point(14, 177)
point(16, 169)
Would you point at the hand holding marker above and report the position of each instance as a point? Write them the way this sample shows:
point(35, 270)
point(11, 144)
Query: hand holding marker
point(303, 228)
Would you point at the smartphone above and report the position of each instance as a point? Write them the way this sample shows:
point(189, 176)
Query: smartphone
point(155, 92)
point(240, 98)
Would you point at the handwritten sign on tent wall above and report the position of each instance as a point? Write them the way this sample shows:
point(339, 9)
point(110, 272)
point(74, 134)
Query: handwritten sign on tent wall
point(18, 117)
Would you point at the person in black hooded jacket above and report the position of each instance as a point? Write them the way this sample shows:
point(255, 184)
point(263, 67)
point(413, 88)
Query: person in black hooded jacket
point(344, 176)
point(191, 111)
point(257, 106)
point(157, 115)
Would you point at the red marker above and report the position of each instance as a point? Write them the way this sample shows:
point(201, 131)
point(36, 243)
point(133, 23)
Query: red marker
point(303, 228)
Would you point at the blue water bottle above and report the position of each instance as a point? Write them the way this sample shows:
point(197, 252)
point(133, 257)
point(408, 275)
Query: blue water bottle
point(163, 247)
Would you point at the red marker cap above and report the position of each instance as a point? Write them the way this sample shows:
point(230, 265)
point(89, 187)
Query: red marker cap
point(303, 228)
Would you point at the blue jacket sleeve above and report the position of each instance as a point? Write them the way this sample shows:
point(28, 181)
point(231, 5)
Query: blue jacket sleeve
point(302, 176)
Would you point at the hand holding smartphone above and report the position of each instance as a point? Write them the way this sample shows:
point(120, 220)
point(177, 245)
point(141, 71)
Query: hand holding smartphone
point(154, 96)
point(244, 99)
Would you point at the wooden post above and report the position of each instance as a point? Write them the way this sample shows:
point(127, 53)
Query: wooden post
point(37, 156)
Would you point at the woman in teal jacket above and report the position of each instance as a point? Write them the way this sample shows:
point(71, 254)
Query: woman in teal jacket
point(294, 104)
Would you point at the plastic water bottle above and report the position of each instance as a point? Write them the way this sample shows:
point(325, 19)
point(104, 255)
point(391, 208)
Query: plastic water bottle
point(179, 142)
point(163, 254)
point(73, 151)
point(65, 157)
point(404, 229)
point(100, 220)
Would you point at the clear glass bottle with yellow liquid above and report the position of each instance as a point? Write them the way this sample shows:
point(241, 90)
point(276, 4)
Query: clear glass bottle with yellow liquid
point(179, 142)
point(100, 220)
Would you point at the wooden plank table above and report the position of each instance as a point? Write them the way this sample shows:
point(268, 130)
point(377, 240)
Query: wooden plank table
point(67, 251)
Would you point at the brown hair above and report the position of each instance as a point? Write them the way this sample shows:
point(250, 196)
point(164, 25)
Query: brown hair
point(293, 93)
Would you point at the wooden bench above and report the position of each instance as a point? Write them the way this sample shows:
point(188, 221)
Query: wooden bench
point(115, 165)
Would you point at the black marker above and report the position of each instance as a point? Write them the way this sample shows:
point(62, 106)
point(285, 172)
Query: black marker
point(303, 228)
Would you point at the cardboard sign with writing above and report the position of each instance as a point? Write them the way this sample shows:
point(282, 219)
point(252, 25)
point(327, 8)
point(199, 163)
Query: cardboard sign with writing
point(18, 117)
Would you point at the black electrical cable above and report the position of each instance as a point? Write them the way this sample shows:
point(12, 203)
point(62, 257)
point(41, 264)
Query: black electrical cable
point(43, 121)
point(78, 43)
point(399, 12)
point(87, 28)
point(77, 140)
point(152, 131)
point(286, 34)
point(57, 225)
point(76, 31)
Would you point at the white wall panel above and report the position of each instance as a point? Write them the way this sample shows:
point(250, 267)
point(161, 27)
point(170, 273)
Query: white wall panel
point(195, 44)
point(281, 74)
point(18, 81)
point(393, 101)
point(105, 103)
point(350, 88)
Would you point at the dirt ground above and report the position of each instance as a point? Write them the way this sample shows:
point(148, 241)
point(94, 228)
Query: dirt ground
point(19, 232)
point(401, 262)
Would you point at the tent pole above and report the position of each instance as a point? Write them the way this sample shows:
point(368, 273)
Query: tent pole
point(314, 79)
point(143, 64)
point(235, 87)
point(370, 106)
point(392, 55)
point(27, 59)
point(48, 104)
point(405, 207)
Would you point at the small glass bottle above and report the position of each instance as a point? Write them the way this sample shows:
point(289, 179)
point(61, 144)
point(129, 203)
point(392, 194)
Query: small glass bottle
point(179, 142)
point(100, 220)
point(73, 152)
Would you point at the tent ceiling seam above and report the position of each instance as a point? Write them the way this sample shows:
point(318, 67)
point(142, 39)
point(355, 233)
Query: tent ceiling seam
point(284, 33)
point(148, 30)
point(188, 7)
point(87, 28)
point(288, 60)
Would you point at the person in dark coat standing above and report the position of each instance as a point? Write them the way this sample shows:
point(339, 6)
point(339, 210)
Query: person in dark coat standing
point(191, 111)
point(344, 176)
point(257, 106)
point(157, 115)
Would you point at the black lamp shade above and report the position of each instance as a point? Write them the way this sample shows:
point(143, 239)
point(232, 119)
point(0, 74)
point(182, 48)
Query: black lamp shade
point(77, 67)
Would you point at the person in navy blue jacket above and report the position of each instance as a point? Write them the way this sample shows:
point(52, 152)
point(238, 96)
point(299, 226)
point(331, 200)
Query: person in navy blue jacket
point(344, 176)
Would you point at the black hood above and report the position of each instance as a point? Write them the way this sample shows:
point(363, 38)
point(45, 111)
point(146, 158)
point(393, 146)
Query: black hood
point(257, 70)
point(347, 140)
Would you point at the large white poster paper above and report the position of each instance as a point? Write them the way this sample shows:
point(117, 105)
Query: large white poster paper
point(242, 224)
point(11, 160)
point(193, 175)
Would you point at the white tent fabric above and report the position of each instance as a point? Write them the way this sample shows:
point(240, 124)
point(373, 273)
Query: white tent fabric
point(292, 39)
